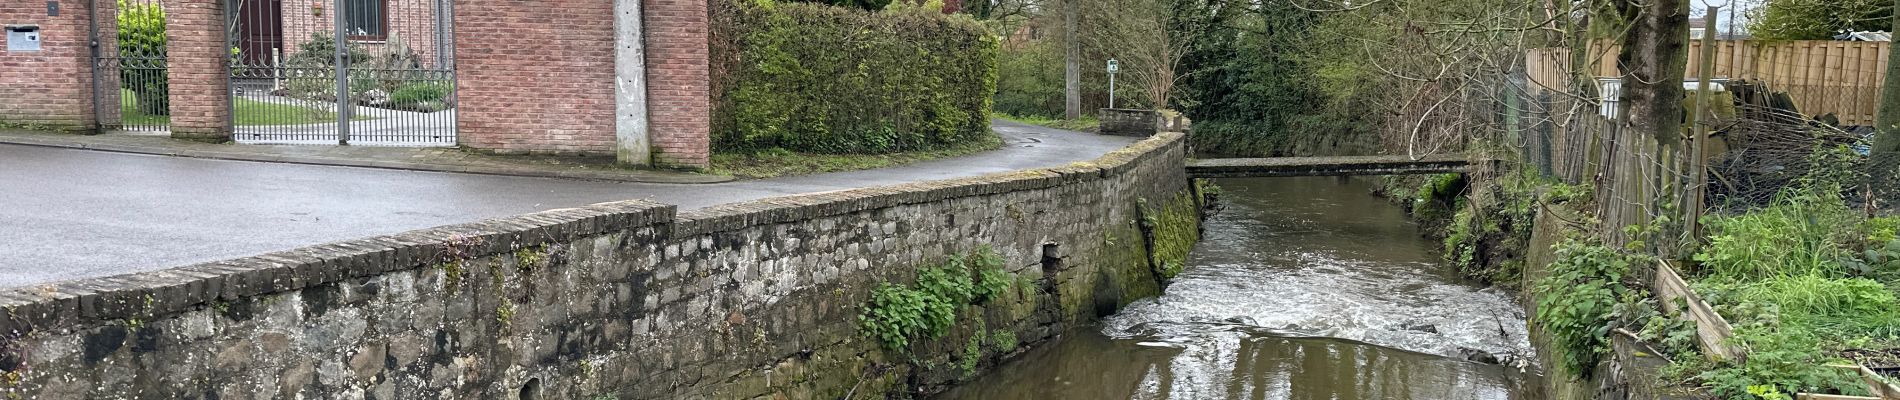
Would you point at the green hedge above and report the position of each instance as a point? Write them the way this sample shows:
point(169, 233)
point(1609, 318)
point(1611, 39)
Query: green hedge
point(825, 79)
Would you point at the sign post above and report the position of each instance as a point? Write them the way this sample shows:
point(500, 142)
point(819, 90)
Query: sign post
point(1113, 67)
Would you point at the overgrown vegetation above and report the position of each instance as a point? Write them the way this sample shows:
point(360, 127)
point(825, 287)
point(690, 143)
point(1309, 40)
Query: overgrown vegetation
point(1803, 280)
point(833, 80)
point(1576, 303)
point(898, 316)
point(1487, 238)
point(1083, 124)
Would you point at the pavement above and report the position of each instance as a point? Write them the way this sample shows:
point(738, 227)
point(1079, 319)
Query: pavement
point(439, 159)
point(72, 214)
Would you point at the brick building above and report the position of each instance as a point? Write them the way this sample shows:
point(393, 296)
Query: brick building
point(626, 78)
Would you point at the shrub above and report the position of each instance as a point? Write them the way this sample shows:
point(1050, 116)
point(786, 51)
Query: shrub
point(312, 69)
point(142, 41)
point(416, 95)
point(898, 315)
point(825, 79)
point(1577, 301)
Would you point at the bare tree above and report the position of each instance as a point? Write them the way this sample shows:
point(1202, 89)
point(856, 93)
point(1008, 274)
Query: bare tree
point(1139, 34)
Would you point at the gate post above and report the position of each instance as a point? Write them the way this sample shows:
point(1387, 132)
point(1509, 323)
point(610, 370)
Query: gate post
point(197, 70)
point(46, 83)
point(105, 79)
point(679, 93)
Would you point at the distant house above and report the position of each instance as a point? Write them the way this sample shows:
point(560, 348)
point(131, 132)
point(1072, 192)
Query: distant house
point(266, 28)
point(1865, 36)
point(1698, 30)
point(1030, 32)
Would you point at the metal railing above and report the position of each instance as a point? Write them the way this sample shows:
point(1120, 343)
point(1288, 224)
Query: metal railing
point(388, 82)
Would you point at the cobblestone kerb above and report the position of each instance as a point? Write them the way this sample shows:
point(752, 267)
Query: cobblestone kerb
point(626, 299)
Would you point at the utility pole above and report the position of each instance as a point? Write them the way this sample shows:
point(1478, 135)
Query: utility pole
point(344, 105)
point(1072, 76)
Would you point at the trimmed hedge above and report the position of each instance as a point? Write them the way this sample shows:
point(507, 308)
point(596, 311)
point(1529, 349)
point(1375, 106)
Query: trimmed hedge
point(823, 79)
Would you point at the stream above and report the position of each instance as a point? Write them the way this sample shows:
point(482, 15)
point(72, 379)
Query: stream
point(1301, 288)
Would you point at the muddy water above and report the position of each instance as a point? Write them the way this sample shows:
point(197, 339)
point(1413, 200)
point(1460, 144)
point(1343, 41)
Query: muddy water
point(1303, 288)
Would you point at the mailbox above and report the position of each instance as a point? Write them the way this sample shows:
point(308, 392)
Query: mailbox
point(23, 38)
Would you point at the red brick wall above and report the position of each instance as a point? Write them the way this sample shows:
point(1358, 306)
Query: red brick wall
point(678, 102)
point(535, 76)
point(52, 87)
point(195, 55)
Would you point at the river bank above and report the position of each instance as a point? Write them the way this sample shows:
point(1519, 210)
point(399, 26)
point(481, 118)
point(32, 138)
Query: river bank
point(1303, 288)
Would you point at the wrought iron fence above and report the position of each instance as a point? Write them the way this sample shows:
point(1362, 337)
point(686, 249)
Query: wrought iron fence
point(133, 92)
point(388, 81)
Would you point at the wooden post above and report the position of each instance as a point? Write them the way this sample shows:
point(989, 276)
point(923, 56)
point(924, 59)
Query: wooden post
point(1699, 123)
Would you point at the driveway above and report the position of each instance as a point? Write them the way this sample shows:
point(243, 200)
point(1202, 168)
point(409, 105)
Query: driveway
point(72, 214)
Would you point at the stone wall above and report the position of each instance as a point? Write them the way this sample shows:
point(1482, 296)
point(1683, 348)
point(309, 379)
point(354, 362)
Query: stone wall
point(1125, 122)
point(619, 300)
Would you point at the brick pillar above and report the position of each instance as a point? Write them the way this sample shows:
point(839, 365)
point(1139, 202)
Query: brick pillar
point(196, 51)
point(50, 88)
point(679, 103)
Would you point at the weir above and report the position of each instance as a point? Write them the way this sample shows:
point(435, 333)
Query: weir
point(1326, 166)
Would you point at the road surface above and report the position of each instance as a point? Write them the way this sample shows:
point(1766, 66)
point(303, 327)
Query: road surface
point(71, 214)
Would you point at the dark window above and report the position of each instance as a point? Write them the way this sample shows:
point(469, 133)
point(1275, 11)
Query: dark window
point(366, 19)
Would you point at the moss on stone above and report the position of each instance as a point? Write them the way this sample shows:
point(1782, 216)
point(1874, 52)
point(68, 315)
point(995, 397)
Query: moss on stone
point(1176, 228)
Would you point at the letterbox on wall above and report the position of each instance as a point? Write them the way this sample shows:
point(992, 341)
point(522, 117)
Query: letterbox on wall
point(23, 38)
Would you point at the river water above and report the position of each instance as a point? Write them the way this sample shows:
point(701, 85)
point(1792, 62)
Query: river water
point(1302, 288)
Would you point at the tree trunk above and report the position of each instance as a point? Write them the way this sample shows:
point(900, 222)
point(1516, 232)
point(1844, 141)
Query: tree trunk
point(1072, 77)
point(1653, 60)
point(1885, 160)
point(1654, 57)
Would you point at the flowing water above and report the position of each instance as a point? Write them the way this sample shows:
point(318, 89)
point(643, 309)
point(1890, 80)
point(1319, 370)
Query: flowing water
point(1302, 288)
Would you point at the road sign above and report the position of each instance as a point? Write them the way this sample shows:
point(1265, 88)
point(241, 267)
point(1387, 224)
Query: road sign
point(1113, 66)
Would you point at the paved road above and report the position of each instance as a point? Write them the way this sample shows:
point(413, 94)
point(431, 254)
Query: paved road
point(70, 214)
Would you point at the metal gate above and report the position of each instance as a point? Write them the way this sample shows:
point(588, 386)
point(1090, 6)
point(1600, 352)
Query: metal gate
point(390, 81)
point(129, 66)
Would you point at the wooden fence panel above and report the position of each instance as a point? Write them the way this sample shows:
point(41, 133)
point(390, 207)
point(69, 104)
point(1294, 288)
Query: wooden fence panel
point(1822, 76)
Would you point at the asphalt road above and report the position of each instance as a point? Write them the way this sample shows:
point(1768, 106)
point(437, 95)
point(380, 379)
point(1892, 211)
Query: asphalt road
point(72, 214)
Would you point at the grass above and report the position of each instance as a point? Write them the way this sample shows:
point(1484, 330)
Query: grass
point(1804, 282)
point(248, 112)
point(780, 162)
point(1086, 123)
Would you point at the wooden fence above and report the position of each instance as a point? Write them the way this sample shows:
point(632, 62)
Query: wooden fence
point(1823, 76)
